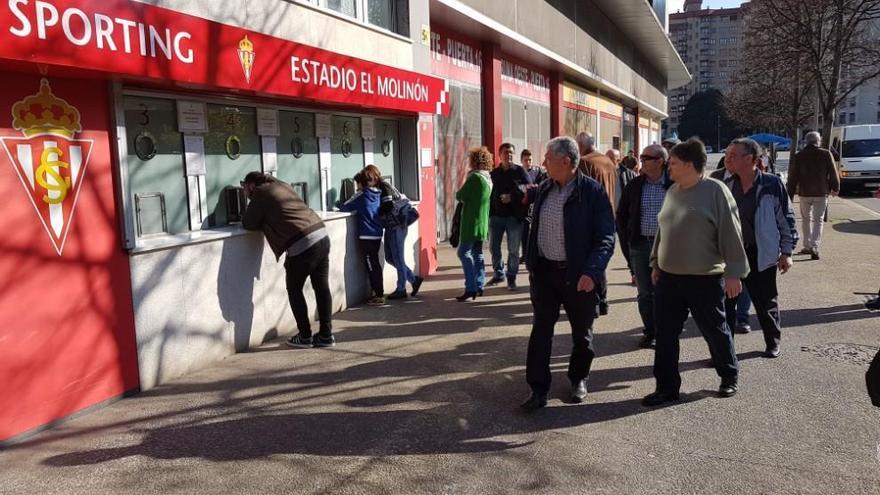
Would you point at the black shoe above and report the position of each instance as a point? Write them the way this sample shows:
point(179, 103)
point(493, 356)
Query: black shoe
point(648, 342)
point(480, 292)
point(578, 391)
point(873, 304)
point(495, 281)
point(416, 286)
point(398, 294)
point(772, 351)
point(814, 255)
point(466, 296)
point(534, 402)
point(603, 308)
point(743, 328)
point(727, 389)
point(511, 286)
point(659, 398)
point(321, 341)
point(299, 342)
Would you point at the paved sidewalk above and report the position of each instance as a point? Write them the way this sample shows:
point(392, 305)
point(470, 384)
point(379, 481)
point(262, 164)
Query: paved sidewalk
point(420, 397)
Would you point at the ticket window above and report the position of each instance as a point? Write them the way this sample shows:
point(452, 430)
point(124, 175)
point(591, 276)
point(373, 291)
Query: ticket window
point(386, 150)
point(346, 158)
point(232, 149)
point(156, 182)
point(297, 149)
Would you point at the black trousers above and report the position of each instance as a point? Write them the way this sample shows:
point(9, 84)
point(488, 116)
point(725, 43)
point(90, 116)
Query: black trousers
point(313, 263)
point(370, 252)
point(703, 296)
point(549, 291)
point(765, 297)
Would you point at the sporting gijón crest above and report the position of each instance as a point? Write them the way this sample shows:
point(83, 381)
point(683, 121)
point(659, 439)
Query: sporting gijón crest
point(48, 159)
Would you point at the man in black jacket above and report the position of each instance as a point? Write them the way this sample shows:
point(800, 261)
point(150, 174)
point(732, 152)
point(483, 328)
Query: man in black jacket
point(570, 243)
point(637, 226)
point(294, 230)
point(507, 211)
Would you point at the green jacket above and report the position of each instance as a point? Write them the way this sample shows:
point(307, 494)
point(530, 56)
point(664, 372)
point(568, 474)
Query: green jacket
point(474, 194)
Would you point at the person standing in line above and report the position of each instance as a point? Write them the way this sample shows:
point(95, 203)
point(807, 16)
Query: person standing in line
point(768, 232)
point(813, 176)
point(571, 241)
point(637, 227)
point(537, 174)
point(294, 230)
point(474, 197)
point(507, 209)
point(738, 322)
point(395, 235)
point(631, 162)
point(624, 176)
point(365, 203)
point(698, 258)
point(600, 168)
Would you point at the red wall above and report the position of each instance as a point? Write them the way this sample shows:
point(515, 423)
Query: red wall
point(427, 212)
point(66, 321)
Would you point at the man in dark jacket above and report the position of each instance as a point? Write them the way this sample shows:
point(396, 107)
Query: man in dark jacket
point(507, 211)
point(637, 226)
point(570, 243)
point(294, 230)
point(813, 176)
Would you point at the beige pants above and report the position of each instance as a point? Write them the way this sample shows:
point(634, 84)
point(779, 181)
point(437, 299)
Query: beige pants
point(812, 213)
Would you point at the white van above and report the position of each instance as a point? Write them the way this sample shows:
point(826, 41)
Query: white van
point(857, 151)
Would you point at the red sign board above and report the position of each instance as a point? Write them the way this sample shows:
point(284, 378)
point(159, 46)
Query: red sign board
point(456, 57)
point(521, 80)
point(132, 38)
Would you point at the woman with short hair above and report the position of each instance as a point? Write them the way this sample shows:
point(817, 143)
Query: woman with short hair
point(474, 196)
point(697, 259)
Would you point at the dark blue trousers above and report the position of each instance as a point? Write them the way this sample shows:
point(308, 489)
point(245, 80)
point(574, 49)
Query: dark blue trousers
point(703, 296)
point(549, 291)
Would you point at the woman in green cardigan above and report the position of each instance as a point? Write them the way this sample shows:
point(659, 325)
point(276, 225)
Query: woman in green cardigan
point(474, 196)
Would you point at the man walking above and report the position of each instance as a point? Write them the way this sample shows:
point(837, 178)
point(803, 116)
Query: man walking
point(768, 233)
point(507, 210)
point(293, 229)
point(637, 226)
point(571, 241)
point(813, 177)
point(536, 174)
point(600, 168)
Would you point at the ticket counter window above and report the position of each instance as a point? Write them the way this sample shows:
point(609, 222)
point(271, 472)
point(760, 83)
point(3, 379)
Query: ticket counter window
point(386, 150)
point(297, 149)
point(232, 149)
point(347, 157)
point(156, 181)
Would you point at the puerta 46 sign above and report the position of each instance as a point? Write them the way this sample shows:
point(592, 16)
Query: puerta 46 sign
point(134, 38)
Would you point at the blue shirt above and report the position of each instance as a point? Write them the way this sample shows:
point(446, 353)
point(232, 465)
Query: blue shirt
point(653, 195)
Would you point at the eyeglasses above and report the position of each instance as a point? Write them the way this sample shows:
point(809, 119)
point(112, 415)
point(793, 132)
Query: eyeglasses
point(648, 158)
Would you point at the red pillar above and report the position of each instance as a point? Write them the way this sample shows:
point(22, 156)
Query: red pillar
point(493, 113)
point(557, 113)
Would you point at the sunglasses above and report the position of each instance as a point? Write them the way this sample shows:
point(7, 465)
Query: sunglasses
point(648, 158)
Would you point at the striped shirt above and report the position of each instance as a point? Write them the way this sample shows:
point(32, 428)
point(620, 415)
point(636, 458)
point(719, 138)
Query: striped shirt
point(551, 224)
point(653, 195)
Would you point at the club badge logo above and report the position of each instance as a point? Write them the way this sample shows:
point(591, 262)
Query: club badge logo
point(246, 56)
point(49, 160)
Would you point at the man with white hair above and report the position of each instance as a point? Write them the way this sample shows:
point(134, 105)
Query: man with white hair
point(813, 176)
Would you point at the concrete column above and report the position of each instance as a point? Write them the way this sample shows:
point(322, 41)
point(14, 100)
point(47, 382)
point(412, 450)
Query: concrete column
point(557, 112)
point(493, 113)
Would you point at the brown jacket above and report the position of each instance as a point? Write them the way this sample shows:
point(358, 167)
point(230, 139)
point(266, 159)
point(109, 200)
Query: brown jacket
point(603, 170)
point(813, 173)
point(283, 216)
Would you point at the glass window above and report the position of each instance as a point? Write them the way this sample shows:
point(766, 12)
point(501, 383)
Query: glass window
point(156, 181)
point(232, 149)
point(297, 149)
point(347, 157)
point(381, 13)
point(861, 147)
point(386, 150)
point(347, 7)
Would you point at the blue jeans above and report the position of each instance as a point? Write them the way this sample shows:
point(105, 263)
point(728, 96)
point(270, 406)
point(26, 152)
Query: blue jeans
point(742, 307)
point(498, 227)
point(640, 258)
point(394, 241)
point(471, 256)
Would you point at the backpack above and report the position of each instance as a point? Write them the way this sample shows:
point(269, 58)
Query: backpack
point(401, 212)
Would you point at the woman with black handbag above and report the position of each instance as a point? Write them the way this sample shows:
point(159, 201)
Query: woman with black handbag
point(474, 227)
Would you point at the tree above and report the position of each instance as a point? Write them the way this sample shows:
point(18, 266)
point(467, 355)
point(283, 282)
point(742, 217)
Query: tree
point(704, 116)
point(834, 42)
point(770, 89)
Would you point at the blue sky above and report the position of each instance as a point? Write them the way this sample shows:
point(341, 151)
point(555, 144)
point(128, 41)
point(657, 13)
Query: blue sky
point(678, 5)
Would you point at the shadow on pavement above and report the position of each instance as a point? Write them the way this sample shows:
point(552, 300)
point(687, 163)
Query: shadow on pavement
point(868, 227)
